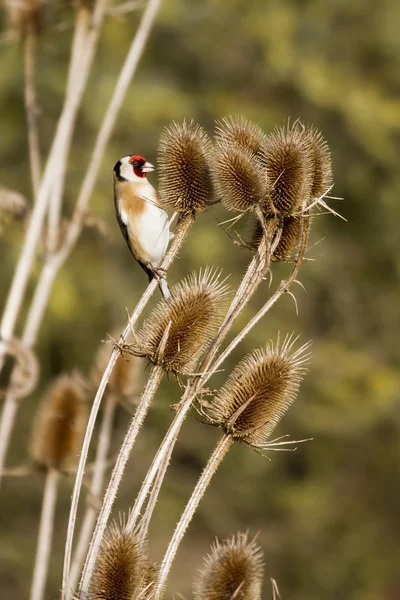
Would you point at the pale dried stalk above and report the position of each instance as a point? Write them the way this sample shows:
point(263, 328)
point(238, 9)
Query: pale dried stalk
point(252, 278)
point(95, 491)
point(148, 513)
point(282, 289)
point(31, 109)
point(214, 461)
point(82, 54)
point(65, 124)
point(45, 535)
point(58, 150)
point(181, 232)
point(152, 386)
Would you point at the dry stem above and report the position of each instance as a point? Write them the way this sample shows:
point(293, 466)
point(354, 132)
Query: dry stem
point(96, 488)
point(214, 461)
point(58, 152)
point(32, 109)
point(45, 535)
point(118, 471)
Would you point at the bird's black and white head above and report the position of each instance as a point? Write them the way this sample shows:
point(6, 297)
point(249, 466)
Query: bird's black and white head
point(132, 168)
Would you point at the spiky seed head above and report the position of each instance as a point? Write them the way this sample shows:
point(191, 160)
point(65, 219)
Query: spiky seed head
point(321, 161)
point(239, 178)
point(26, 15)
point(13, 203)
point(193, 316)
point(184, 174)
point(259, 391)
point(118, 573)
point(289, 243)
point(150, 573)
point(238, 131)
point(232, 570)
point(289, 168)
point(60, 425)
point(125, 379)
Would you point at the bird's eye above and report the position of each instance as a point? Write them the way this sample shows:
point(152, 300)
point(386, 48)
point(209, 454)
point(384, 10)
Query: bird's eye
point(135, 163)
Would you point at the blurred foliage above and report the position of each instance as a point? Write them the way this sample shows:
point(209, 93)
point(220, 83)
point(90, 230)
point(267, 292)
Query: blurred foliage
point(328, 513)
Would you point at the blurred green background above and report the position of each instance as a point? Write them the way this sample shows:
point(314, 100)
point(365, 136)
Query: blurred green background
point(328, 514)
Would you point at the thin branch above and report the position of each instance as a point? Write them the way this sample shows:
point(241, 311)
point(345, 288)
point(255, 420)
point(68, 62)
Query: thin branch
point(95, 490)
point(31, 109)
point(215, 460)
point(152, 386)
point(58, 151)
point(45, 535)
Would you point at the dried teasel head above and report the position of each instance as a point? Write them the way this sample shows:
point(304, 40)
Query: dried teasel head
point(26, 16)
point(289, 168)
point(60, 425)
point(259, 391)
point(233, 569)
point(185, 182)
point(178, 332)
point(322, 176)
point(13, 203)
point(288, 247)
point(238, 131)
point(119, 570)
point(126, 377)
point(239, 178)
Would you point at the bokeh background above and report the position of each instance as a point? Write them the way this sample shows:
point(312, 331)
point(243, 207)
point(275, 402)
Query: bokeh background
point(328, 514)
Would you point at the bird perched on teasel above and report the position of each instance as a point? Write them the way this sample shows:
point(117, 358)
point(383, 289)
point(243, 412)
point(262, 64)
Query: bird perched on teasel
point(144, 224)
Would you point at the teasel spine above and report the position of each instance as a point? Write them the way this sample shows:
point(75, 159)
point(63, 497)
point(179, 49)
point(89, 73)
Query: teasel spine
point(233, 569)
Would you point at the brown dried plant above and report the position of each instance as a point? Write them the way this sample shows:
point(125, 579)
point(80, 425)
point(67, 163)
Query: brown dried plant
point(259, 391)
point(121, 568)
point(239, 179)
point(26, 15)
point(238, 131)
point(289, 168)
point(184, 154)
point(59, 425)
point(193, 316)
point(233, 569)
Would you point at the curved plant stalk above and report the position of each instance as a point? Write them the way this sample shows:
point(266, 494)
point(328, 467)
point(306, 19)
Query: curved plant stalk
point(148, 513)
point(31, 109)
point(96, 488)
point(83, 50)
point(152, 386)
point(252, 278)
point(181, 232)
point(214, 461)
point(45, 535)
point(58, 152)
point(282, 289)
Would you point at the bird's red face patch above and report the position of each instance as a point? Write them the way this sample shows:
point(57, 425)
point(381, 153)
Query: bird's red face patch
point(137, 163)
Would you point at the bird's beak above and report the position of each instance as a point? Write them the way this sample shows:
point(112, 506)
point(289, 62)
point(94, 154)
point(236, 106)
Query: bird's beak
point(148, 168)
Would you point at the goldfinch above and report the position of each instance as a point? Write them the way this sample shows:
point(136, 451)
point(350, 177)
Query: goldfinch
point(144, 224)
